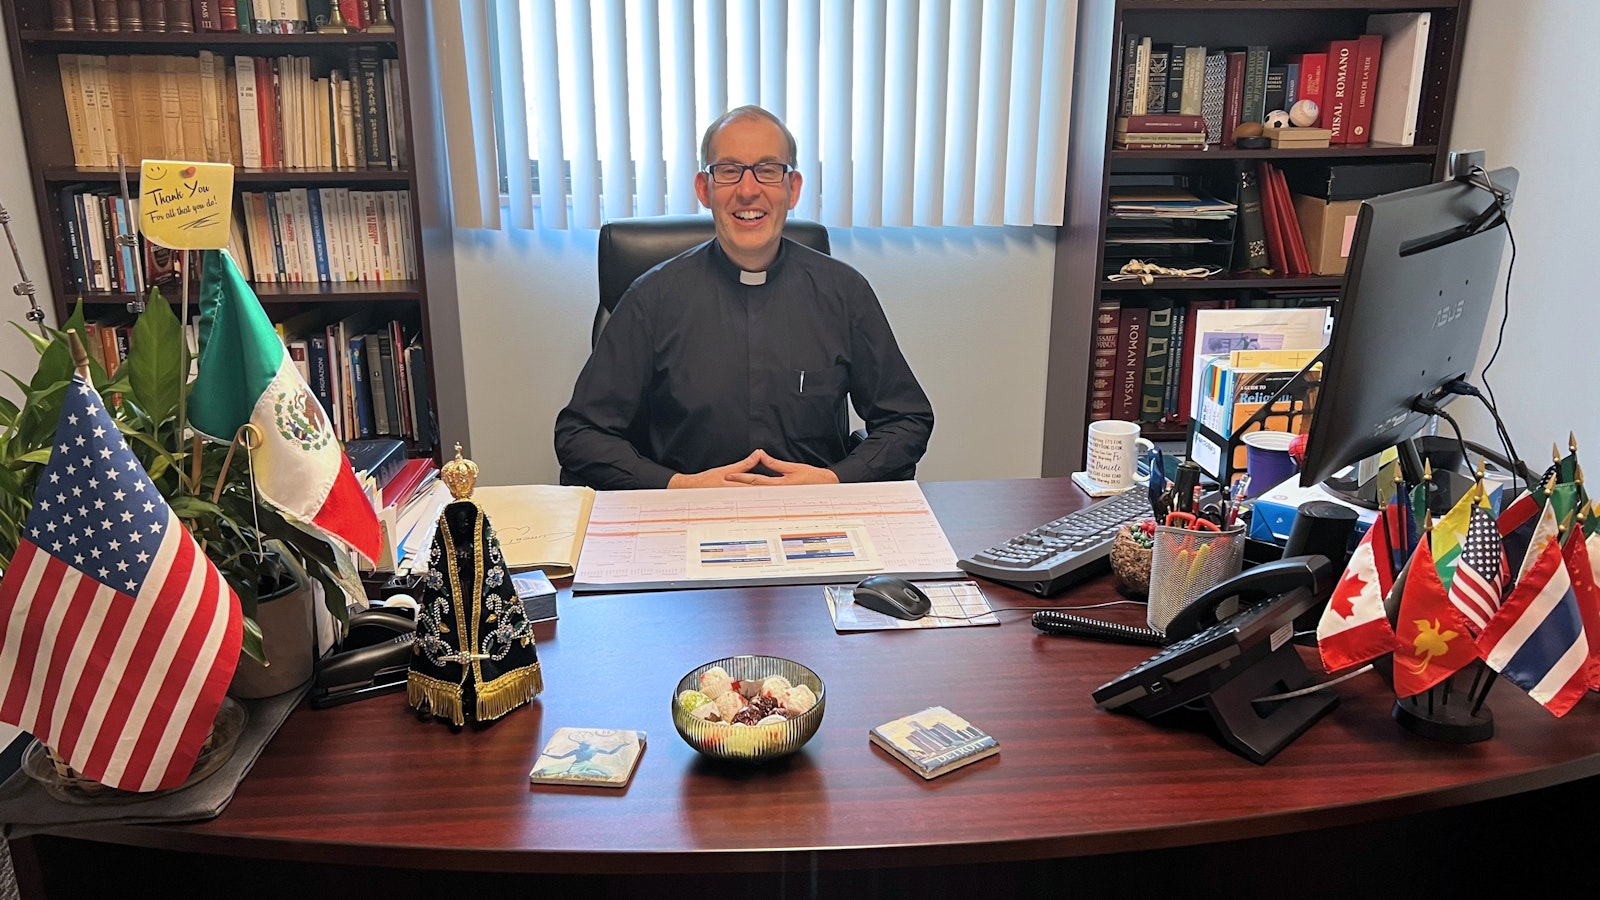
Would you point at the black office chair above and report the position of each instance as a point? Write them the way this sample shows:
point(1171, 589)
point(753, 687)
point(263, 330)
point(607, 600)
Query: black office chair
point(631, 247)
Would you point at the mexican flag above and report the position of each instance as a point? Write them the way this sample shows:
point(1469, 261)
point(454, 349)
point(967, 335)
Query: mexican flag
point(246, 375)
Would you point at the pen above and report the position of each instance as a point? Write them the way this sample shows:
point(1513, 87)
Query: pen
point(802, 381)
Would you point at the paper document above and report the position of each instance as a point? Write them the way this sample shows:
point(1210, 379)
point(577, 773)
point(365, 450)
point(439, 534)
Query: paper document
point(955, 604)
point(779, 548)
point(1219, 331)
point(539, 525)
point(805, 534)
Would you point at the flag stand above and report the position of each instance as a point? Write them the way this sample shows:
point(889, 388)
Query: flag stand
point(23, 288)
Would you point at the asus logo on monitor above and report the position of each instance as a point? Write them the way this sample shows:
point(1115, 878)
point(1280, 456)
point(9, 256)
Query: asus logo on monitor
point(1449, 313)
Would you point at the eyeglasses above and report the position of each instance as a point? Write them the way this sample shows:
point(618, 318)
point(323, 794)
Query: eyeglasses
point(733, 173)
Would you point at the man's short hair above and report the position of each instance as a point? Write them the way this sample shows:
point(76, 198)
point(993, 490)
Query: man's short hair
point(746, 112)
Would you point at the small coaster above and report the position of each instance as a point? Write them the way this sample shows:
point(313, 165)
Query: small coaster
point(1094, 488)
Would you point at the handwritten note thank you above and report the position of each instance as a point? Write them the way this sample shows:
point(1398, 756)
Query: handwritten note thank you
point(186, 205)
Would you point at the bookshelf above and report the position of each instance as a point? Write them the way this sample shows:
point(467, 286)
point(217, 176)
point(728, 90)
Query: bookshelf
point(392, 289)
point(1083, 257)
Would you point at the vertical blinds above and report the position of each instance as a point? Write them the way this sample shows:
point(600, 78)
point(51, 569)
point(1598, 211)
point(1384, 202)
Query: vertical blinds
point(906, 112)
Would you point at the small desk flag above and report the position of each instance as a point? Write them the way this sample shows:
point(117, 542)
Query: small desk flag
point(246, 375)
point(117, 636)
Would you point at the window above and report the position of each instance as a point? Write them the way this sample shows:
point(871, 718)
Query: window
point(906, 112)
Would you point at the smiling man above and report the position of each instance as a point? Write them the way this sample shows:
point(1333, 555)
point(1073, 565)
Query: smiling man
point(732, 363)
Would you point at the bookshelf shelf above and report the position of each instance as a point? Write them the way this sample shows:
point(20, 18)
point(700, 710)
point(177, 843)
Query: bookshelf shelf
point(62, 174)
point(1087, 309)
point(318, 98)
point(1345, 152)
point(179, 42)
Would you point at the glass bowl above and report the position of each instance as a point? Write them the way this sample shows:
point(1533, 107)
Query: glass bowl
point(750, 743)
point(68, 786)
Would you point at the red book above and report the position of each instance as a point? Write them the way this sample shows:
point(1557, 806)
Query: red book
point(1313, 75)
point(207, 17)
point(1186, 372)
point(1162, 124)
point(1130, 363)
point(1103, 370)
point(228, 12)
point(1369, 49)
point(405, 481)
point(1299, 260)
point(1340, 88)
point(267, 112)
point(1233, 96)
point(1271, 216)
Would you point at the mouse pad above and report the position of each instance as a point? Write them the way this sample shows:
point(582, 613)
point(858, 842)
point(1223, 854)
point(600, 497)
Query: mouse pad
point(955, 603)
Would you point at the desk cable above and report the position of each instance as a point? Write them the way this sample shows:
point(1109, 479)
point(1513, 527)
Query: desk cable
point(1032, 609)
point(1320, 686)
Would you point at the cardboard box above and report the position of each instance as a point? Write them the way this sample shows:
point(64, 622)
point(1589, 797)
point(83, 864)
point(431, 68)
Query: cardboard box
point(1328, 228)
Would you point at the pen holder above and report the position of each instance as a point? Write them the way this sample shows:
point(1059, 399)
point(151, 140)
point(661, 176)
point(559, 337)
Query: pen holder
point(1185, 564)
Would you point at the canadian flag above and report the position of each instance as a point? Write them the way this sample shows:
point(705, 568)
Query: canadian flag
point(1355, 627)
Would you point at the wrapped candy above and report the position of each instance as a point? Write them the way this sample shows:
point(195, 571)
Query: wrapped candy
point(774, 719)
point(798, 700)
point(714, 682)
point(692, 700)
point(729, 704)
point(774, 685)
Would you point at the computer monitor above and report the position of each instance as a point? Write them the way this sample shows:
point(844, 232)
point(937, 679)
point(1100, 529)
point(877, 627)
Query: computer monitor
point(1423, 267)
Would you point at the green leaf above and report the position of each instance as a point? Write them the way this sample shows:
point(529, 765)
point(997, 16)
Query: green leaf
point(55, 365)
point(42, 456)
point(8, 412)
point(156, 370)
point(39, 341)
point(252, 641)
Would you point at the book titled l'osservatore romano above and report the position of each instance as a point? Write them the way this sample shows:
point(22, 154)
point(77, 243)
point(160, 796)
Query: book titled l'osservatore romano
point(589, 757)
point(934, 741)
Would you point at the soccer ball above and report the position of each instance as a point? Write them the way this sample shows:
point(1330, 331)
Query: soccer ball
point(1277, 119)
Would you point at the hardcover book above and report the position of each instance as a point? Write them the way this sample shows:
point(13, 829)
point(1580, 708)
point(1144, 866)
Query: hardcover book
point(593, 757)
point(934, 741)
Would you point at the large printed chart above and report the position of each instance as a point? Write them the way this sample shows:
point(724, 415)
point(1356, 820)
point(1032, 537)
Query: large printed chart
point(806, 534)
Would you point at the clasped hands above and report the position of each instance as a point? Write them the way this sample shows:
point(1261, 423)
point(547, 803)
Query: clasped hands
point(743, 474)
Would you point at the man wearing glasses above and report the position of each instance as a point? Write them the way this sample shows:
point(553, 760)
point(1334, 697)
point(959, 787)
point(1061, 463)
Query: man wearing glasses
point(731, 364)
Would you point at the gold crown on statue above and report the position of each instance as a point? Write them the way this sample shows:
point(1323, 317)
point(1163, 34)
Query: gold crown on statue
point(459, 475)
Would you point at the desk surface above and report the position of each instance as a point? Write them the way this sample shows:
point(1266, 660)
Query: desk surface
point(1070, 780)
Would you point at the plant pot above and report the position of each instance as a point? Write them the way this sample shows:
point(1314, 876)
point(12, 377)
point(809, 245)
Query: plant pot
point(288, 639)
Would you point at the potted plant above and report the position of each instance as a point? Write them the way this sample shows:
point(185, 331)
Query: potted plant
point(258, 551)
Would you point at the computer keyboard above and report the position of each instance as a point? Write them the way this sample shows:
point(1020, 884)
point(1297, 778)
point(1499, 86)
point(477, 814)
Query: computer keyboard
point(1047, 559)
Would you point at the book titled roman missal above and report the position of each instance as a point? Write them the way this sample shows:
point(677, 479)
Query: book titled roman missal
point(934, 741)
point(596, 757)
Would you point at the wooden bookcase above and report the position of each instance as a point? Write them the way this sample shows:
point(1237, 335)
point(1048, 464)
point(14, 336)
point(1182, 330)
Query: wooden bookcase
point(1284, 26)
point(35, 48)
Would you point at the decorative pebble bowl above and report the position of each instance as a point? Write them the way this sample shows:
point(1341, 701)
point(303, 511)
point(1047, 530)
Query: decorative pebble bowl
point(750, 743)
point(1131, 562)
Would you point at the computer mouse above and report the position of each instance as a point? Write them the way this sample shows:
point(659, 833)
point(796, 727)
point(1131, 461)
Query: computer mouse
point(892, 596)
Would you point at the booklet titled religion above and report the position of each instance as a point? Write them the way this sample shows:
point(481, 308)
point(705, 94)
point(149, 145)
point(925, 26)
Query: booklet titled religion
point(934, 741)
point(595, 757)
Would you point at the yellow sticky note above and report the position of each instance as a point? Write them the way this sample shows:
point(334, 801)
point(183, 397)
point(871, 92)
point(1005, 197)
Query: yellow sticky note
point(186, 205)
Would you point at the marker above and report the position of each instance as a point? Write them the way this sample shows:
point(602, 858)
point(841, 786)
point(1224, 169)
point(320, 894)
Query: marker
point(802, 381)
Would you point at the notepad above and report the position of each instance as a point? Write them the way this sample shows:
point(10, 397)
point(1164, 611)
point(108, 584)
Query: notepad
point(934, 741)
point(539, 525)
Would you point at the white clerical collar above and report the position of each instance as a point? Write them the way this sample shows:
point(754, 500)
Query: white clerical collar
point(752, 277)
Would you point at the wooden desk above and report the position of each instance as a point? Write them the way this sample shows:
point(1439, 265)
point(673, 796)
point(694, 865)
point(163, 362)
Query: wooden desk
point(369, 782)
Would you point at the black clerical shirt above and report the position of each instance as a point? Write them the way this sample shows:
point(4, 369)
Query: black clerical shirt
point(698, 367)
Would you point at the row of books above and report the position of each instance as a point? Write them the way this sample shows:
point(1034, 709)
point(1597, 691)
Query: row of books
point(371, 377)
point(1145, 349)
point(259, 112)
point(187, 16)
point(1234, 85)
point(328, 234)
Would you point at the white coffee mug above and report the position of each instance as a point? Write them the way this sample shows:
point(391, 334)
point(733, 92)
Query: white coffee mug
point(1113, 457)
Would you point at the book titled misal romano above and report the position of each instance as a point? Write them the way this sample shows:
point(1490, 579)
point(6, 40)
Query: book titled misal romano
point(934, 741)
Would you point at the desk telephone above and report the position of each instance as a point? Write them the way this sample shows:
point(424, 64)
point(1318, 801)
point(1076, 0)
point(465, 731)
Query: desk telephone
point(372, 660)
point(1223, 666)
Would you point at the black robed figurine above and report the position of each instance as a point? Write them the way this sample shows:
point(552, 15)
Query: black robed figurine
point(474, 657)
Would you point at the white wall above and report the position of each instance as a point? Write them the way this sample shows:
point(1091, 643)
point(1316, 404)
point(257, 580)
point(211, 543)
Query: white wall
point(1521, 104)
point(16, 194)
point(970, 307)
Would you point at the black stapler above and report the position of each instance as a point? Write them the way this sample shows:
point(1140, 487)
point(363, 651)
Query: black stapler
point(373, 659)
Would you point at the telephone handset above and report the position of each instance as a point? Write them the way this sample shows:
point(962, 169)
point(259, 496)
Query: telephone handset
point(1251, 587)
point(1223, 666)
point(372, 660)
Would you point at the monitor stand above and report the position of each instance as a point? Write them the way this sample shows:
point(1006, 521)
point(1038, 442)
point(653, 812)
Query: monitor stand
point(1445, 490)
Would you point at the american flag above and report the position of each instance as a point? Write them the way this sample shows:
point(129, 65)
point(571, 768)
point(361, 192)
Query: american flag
point(1480, 572)
point(117, 636)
